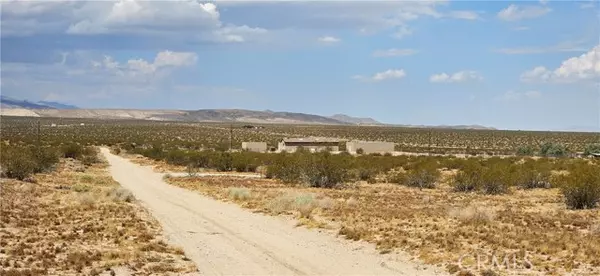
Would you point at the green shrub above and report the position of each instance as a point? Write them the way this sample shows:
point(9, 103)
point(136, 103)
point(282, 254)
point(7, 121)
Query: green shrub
point(72, 150)
point(496, 180)
point(366, 174)
point(592, 148)
point(492, 180)
point(469, 178)
point(424, 177)
point(45, 159)
point(17, 163)
point(223, 162)
point(581, 187)
point(526, 151)
point(532, 175)
point(89, 156)
point(553, 150)
point(324, 171)
point(316, 169)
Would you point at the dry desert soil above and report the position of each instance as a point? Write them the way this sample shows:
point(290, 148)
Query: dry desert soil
point(224, 239)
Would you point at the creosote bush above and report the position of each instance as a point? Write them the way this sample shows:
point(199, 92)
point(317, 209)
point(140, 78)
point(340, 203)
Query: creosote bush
point(422, 176)
point(553, 150)
point(581, 187)
point(531, 175)
point(491, 179)
point(21, 162)
point(17, 163)
point(592, 148)
point(322, 169)
point(526, 150)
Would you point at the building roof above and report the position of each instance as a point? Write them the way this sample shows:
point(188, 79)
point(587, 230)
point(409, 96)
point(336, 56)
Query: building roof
point(312, 140)
point(371, 142)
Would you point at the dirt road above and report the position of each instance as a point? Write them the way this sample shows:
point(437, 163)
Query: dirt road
point(224, 239)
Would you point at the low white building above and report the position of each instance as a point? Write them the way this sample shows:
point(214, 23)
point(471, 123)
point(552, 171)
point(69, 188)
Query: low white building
point(312, 144)
point(369, 147)
point(254, 146)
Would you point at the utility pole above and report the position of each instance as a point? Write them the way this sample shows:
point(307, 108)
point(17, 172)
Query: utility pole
point(38, 142)
point(230, 136)
point(429, 150)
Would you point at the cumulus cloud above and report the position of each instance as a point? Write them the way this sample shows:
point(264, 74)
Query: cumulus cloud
point(381, 76)
point(186, 18)
point(139, 67)
point(584, 67)
point(328, 40)
point(394, 52)
point(460, 76)
point(516, 12)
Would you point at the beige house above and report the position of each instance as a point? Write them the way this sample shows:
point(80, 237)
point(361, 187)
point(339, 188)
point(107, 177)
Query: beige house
point(369, 147)
point(254, 146)
point(313, 144)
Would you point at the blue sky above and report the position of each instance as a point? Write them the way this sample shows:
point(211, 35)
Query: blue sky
point(511, 65)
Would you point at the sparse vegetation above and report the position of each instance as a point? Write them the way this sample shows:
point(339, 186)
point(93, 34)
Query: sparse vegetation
point(581, 187)
point(73, 223)
point(453, 209)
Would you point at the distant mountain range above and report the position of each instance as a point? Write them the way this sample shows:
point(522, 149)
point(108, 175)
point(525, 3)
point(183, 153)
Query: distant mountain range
point(57, 105)
point(13, 107)
point(7, 102)
point(355, 120)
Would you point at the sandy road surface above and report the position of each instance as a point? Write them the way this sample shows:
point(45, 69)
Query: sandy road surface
point(236, 175)
point(224, 239)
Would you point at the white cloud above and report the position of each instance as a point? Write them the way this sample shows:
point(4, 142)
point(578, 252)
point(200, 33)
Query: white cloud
point(394, 52)
point(328, 40)
point(84, 76)
point(511, 95)
point(460, 76)
point(584, 67)
point(381, 76)
point(466, 15)
point(189, 19)
point(516, 13)
point(402, 32)
point(141, 68)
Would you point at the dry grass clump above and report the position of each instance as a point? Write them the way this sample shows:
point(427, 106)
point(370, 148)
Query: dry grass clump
point(120, 194)
point(535, 221)
point(473, 214)
point(239, 193)
point(54, 228)
point(301, 203)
